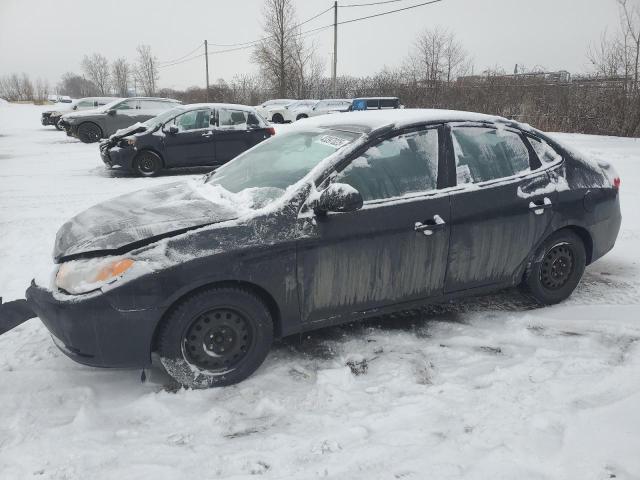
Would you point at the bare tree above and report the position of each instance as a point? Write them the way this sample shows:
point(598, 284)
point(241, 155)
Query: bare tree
point(96, 68)
point(305, 70)
point(120, 76)
point(274, 53)
point(75, 86)
point(41, 90)
point(147, 70)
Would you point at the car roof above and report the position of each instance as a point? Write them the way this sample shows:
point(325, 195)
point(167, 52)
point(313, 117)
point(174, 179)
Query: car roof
point(232, 106)
point(376, 98)
point(368, 121)
point(160, 99)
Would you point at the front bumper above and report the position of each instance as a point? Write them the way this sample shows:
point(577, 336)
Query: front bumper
point(91, 331)
point(117, 157)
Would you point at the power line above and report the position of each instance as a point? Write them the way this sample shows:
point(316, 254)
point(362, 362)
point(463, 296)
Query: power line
point(183, 56)
point(182, 61)
point(388, 12)
point(369, 4)
point(269, 36)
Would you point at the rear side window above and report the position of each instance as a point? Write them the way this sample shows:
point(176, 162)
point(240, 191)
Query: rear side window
point(127, 105)
point(154, 105)
point(395, 167)
point(233, 119)
point(372, 103)
point(487, 153)
point(544, 151)
point(389, 103)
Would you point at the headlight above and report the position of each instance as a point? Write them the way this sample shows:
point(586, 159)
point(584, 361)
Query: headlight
point(83, 276)
point(127, 142)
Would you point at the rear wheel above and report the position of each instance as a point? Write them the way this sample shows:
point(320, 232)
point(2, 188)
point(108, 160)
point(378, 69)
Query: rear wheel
point(277, 118)
point(556, 269)
point(89, 132)
point(215, 337)
point(147, 164)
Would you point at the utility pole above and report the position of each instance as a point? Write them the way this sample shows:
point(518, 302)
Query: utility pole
point(334, 72)
point(206, 62)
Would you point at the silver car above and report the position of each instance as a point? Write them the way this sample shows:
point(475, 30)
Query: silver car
point(92, 125)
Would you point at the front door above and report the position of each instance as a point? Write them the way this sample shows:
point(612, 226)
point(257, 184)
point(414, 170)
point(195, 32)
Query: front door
point(391, 251)
point(193, 144)
point(501, 210)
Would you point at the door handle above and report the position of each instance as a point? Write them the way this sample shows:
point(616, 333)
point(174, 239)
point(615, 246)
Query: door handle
point(207, 134)
point(429, 226)
point(539, 206)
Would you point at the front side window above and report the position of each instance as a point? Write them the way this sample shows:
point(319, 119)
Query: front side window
point(193, 120)
point(85, 104)
point(488, 153)
point(404, 164)
point(544, 151)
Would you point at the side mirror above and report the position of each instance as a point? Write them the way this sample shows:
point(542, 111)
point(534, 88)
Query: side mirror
point(75, 107)
point(172, 129)
point(338, 197)
point(111, 112)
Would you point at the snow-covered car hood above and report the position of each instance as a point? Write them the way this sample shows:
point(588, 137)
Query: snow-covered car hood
point(84, 113)
point(123, 132)
point(131, 220)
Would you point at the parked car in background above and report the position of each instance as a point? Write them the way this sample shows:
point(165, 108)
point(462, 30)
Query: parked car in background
point(332, 105)
point(186, 136)
point(339, 218)
point(265, 109)
point(52, 117)
point(375, 103)
point(92, 125)
point(293, 111)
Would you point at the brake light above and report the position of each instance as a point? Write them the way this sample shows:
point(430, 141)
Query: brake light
point(616, 183)
point(271, 130)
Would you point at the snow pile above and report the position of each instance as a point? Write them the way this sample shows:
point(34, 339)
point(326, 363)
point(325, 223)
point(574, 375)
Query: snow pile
point(489, 388)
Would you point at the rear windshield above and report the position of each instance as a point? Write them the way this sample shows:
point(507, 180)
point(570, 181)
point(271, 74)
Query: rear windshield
point(275, 164)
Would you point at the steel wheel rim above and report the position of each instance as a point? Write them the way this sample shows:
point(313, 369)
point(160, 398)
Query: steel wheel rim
point(217, 339)
point(557, 266)
point(147, 164)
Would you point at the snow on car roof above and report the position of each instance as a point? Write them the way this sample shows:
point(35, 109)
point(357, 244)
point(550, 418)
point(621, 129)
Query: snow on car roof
point(232, 106)
point(371, 120)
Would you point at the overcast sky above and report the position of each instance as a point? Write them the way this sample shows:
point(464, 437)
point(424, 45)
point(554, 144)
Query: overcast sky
point(47, 38)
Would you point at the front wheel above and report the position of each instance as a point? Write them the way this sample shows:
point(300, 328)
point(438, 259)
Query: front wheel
point(89, 133)
point(147, 164)
point(215, 337)
point(277, 118)
point(58, 126)
point(556, 269)
point(301, 116)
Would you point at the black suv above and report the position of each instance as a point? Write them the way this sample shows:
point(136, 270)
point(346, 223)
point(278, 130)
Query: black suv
point(186, 136)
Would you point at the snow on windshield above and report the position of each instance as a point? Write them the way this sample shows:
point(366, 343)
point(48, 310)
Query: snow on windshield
point(263, 173)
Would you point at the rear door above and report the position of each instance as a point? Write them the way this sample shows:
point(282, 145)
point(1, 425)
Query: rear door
point(193, 144)
point(394, 249)
point(501, 209)
point(236, 132)
point(124, 116)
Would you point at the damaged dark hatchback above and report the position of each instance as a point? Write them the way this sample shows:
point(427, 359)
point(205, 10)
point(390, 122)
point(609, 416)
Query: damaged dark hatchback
point(339, 218)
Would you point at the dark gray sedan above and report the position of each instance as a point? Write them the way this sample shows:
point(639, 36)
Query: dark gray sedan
point(340, 218)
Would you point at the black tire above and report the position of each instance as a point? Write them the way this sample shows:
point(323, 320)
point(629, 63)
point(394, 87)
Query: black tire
point(57, 125)
point(89, 132)
point(556, 268)
point(277, 118)
point(147, 164)
point(215, 337)
point(301, 116)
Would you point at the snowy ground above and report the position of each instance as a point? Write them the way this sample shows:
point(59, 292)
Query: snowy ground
point(489, 389)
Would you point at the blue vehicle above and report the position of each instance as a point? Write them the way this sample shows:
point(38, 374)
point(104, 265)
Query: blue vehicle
point(374, 103)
